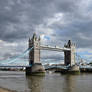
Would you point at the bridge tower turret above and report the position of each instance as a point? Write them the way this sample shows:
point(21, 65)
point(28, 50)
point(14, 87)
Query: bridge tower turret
point(69, 56)
point(34, 55)
point(35, 65)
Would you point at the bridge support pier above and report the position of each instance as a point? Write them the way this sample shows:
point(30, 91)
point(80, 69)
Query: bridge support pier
point(36, 67)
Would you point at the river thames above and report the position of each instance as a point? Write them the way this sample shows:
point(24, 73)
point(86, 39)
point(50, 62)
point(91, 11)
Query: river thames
point(51, 82)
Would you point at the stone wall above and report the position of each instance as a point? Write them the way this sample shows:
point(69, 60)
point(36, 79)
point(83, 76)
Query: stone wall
point(34, 55)
point(69, 56)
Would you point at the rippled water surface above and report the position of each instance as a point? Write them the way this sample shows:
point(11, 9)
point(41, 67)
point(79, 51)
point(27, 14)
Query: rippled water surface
point(52, 82)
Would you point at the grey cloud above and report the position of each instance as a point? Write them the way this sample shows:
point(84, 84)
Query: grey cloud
point(35, 11)
point(19, 19)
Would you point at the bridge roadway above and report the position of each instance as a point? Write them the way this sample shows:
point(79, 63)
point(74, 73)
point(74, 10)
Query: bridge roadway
point(54, 48)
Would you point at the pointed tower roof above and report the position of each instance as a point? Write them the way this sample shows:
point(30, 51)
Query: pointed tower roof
point(34, 35)
point(69, 43)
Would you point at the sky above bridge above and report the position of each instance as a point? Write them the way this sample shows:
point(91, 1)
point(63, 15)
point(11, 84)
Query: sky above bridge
point(56, 21)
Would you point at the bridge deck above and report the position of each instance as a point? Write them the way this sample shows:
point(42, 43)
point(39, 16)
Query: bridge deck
point(54, 48)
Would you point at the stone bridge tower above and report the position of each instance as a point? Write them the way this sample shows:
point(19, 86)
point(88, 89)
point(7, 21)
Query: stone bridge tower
point(35, 65)
point(69, 56)
point(34, 55)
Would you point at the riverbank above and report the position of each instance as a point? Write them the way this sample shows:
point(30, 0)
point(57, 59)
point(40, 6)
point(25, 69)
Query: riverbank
point(5, 90)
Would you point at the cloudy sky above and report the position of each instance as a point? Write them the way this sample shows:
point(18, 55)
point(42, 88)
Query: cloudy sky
point(56, 21)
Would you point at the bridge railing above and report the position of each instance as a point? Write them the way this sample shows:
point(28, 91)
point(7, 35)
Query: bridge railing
point(54, 48)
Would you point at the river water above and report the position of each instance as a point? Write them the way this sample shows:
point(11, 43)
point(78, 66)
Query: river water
point(51, 82)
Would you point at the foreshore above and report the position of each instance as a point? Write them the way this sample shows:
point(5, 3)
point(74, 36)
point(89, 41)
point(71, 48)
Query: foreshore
point(6, 90)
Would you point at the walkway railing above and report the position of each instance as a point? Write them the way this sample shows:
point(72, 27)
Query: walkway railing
point(54, 48)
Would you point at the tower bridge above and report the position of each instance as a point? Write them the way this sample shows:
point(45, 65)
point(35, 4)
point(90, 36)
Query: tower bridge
point(34, 48)
point(34, 55)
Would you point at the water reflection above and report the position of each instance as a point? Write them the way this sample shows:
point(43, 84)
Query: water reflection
point(60, 83)
point(35, 83)
point(69, 83)
point(52, 83)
